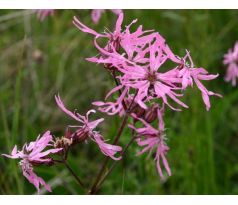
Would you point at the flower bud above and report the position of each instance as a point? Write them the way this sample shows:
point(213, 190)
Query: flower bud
point(151, 113)
point(139, 111)
point(135, 108)
point(80, 135)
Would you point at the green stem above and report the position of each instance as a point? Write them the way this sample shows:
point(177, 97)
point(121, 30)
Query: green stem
point(73, 174)
point(103, 167)
point(113, 166)
point(120, 130)
point(71, 171)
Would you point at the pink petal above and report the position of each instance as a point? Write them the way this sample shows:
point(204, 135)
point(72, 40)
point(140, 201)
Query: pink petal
point(63, 108)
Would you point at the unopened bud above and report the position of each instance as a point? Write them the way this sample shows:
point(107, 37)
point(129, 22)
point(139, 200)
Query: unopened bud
point(139, 111)
point(80, 135)
point(135, 108)
point(151, 113)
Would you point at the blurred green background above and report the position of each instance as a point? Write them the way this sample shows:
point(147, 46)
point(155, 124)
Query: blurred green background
point(40, 59)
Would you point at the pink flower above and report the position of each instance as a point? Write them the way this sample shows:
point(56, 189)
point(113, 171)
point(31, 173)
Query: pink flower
point(150, 138)
point(134, 45)
point(189, 73)
point(149, 83)
point(32, 155)
point(231, 60)
point(86, 129)
point(43, 13)
point(146, 80)
point(112, 108)
point(145, 53)
point(137, 58)
point(96, 14)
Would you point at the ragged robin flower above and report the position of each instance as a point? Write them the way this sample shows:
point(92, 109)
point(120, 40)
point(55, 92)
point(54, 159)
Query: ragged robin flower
point(189, 74)
point(33, 154)
point(231, 61)
point(86, 131)
point(149, 139)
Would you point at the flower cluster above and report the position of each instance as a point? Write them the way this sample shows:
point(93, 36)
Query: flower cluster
point(134, 60)
point(231, 61)
point(33, 154)
point(141, 95)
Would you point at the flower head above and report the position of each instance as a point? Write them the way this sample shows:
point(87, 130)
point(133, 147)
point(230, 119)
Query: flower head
point(189, 74)
point(130, 42)
point(137, 58)
point(86, 130)
point(149, 82)
point(144, 52)
point(231, 60)
point(33, 154)
point(150, 138)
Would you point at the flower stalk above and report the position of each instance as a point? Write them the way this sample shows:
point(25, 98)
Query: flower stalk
point(113, 166)
point(74, 174)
